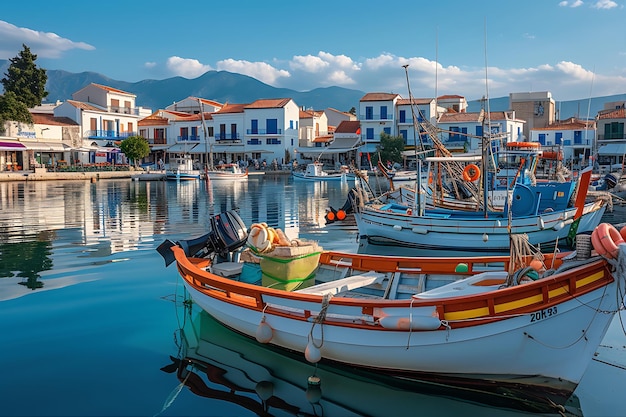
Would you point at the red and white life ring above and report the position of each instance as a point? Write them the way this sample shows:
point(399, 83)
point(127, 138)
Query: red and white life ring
point(605, 240)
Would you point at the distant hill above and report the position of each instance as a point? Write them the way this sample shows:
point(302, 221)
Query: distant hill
point(221, 86)
point(229, 87)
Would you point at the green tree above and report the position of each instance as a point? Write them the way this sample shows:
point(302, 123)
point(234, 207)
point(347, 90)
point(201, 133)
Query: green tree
point(11, 109)
point(390, 148)
point(135, 148)
point(26, 80)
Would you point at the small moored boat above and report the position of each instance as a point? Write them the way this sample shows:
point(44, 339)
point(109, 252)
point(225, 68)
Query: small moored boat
point(528, 321)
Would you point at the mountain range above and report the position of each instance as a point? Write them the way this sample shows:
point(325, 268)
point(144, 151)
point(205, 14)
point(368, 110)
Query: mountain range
point(227, 87)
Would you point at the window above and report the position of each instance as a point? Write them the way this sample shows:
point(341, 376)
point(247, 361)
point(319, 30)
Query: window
point(402, 116)
point(272, 126)
point(272, 141)
point(222, 134)
point(194, 133)
point(383, 112)
point(404, 134)
point(159, 136)
point(233, 131)
point(369, 133)
point(479, 131)
point(254, 126)
point(387, 130)
point(614, 130)
point(369, 113)
point(291, 124)
point(184, 133)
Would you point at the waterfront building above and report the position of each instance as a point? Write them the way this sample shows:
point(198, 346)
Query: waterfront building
point(573, 138)
point(611, 137)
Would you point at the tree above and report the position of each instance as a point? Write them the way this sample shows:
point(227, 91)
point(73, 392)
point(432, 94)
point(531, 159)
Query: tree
point(25, 80)
point(390, 148)
point(135, 148)
point(352, 111)
point(11, 109)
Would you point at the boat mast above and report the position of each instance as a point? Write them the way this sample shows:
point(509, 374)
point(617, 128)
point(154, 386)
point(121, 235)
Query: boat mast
point(486, 141)
point(207, 150)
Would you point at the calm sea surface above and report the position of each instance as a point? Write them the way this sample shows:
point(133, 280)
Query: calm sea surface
point(93, 324)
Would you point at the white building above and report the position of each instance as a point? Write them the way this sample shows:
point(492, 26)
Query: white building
point(575, 138)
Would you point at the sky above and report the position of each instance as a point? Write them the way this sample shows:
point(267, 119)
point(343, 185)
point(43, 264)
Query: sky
point(575, 49)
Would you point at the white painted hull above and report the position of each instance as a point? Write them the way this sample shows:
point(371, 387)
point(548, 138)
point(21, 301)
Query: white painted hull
point(543, 343)
point(470, 233)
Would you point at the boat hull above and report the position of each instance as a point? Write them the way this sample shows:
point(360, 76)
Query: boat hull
point(470, 233)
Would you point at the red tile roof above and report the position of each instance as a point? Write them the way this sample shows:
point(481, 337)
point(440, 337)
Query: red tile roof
point(50, 119)
point(612, 114)
point(407, 101)
point(348, 126)
point(84, 106)
point(379, 97)
point(268, 103)
point(231, 108)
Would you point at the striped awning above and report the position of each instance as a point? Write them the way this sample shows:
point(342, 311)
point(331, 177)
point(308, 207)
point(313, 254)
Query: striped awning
point(11, 145)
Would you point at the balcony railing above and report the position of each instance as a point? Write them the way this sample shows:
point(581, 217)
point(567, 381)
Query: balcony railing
point(123, 110)
point(611, 137)
point(375, 117)
point(264, 132)
point(227, 136)
point(108, 134)
point(190, 138)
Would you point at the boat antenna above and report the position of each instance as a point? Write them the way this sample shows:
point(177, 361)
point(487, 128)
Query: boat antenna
point(593, 150)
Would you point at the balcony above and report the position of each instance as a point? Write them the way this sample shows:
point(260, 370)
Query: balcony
point(108, 134)
point(123, 110)
point(188, 138)
point(262, 132)
point(227, 136)
point(375, 117)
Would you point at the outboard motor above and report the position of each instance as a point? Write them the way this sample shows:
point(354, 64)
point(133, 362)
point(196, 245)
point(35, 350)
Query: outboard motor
point(228, 233)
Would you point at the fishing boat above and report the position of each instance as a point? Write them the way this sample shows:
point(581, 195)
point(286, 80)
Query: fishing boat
point(231, 172)
point(315, 172)
point(529, 321)
point(182, 170)
point(546, 213)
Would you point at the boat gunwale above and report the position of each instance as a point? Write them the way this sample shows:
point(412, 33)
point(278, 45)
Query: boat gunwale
point(517, 300)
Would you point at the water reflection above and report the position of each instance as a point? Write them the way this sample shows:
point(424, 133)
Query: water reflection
point(217, 363)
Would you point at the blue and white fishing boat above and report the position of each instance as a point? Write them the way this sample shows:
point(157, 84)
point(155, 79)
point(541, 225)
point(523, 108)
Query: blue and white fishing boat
point(182, 170)
point(315, 172)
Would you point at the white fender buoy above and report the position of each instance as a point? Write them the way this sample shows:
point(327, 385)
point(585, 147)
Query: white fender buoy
point(265, 390)
point(264, 332)
point(485, 237)
point(313, 390)
point(312, 353)
point(416, 322)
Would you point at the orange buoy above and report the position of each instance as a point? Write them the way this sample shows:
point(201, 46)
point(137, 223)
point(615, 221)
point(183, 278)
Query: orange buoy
point(471, 173)
point(605, 239)
point(623, 233)
point(330, 216)
point(341, 215)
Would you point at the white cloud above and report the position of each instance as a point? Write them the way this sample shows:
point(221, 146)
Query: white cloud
point(150, 65)
point(262, 71)
point(575, 3)
point(43, 44)
point(185, 67)
point(604, 4)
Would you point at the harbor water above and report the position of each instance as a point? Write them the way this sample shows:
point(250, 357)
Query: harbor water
point(94, 324)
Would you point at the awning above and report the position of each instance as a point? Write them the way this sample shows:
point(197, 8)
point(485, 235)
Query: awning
point(159, 147)
point(46, 146)
point(182, 147)
point(259, 151)
point(11, 145)
point(612, 149)
point(342, 145)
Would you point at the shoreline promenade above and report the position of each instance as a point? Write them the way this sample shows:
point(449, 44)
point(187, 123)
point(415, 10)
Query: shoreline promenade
point(138, 175)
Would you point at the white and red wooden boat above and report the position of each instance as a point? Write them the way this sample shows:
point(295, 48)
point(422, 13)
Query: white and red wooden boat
point(530, 323)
